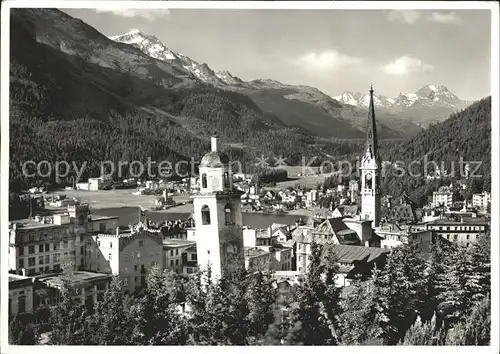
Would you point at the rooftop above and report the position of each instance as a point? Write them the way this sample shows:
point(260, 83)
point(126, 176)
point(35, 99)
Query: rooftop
point(350, 254)
point(77, 277)
point(102, 217)
point(173, 243)
point(464, 221)
point(251, 252)
point(26, 224)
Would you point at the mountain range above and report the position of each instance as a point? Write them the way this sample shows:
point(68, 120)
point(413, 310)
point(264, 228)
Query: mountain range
point(429, 104)
point(79, 95)
point(403, 113)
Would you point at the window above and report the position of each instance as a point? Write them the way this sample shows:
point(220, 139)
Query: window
point(468, 237)
point(136, 267)
point(194, 257)
point(176, 252)
point(171, 262)
point(226, 180)
point(47, 247)
point(125, 281)
point(98, 255)
point(47, 259)
point(177, 262)
point(111, 245)
point(21, 304)
point(55, 258)
point(21, 263)
point(21, 251)
point(31, 249)
point(141, 243)
point(47, 269)
point(205, 215)
point(204, 180)
point(40, 270)
point(40, 248)
point(171, 253)
point(228, 214)
point(31, 236)
point(57, 267)
point(89, 242)
point(40, 260)
point(65, 244)
point(31, 261)
point(98, 243)
point(102, 227)
point(82, 251)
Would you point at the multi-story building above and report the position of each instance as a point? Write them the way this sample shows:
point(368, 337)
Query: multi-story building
point(481, 200)
point(173, 250)
point(257, 258)
point(20, 294)
point(127, 252)
point(463, 230)
point(443, 196)
point(45, 243)
point(189, 260)
point(392, 235)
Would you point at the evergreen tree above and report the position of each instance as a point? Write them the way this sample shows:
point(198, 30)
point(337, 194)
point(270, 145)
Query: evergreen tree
point(261, 297)
point(162, 322)
point(403, 283)
point(68, 318)
point(422, 333)
point(309, 314)
point(109, 322)
point(478, 324)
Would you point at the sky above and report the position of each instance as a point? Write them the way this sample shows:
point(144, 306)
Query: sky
point(333, 50)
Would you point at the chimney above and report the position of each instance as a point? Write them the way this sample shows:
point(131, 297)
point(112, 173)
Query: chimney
point(23, 272)
point(270, 231)
point(214, 143)
point(117, 230)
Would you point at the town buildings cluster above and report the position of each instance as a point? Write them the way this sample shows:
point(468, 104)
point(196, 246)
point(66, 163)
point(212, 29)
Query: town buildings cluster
point(362, 225)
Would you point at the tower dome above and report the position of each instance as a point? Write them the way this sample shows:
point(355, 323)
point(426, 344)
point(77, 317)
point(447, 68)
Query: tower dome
point(214, 159)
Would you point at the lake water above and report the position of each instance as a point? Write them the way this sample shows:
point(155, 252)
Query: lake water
point(130, 215)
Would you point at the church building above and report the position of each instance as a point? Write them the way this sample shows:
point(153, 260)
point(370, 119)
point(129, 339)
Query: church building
point(217, 216)
point(370, 171)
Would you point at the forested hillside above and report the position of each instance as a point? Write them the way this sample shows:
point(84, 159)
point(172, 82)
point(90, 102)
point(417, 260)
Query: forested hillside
point(465, 135)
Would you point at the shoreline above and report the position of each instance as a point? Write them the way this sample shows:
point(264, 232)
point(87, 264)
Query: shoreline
point(124, 198)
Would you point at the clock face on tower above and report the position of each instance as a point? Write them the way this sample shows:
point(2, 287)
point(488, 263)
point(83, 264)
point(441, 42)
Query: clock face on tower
point(368, 177)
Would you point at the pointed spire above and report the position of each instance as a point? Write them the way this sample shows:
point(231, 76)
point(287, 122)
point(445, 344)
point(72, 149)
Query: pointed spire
point(371, 131)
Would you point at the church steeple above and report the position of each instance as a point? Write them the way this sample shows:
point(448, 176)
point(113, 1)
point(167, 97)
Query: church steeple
point(371, 130)
point(370, 170)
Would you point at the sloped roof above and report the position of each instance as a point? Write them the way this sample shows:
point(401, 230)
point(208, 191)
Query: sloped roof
point(350, 254)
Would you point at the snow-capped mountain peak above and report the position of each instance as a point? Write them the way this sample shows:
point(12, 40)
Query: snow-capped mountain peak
point(426, 95)
point(229, 79)
point(152, 46)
